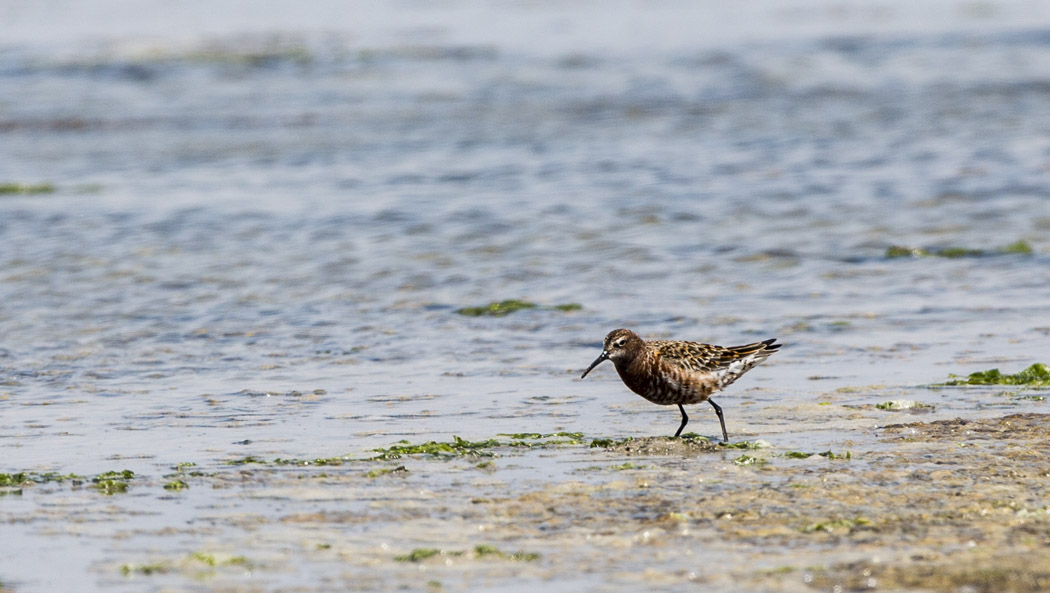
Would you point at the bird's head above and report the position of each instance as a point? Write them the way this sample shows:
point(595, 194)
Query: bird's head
point(619, 344)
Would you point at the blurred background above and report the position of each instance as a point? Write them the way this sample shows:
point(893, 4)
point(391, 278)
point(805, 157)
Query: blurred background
point(207, 205)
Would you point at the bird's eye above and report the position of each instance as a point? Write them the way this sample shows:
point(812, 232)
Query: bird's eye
point(619, 343)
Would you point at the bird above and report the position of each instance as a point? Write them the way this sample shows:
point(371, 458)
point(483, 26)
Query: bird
point(673, 372)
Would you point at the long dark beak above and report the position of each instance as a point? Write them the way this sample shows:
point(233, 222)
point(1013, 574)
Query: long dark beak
point(597, 361)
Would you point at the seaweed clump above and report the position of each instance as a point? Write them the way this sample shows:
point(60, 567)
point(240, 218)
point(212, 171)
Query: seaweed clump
point(500, 309)
point(1021, 247)
point(508, 306)
point(110, 483)
point(26, 189)
point(1037, 375)
point(457, 448)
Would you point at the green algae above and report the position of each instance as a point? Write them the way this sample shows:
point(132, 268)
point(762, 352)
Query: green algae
point(185, 469)
point(26, 189)
point(418, 555)
point(1022, 247)
point(750, 460)
point(827, 454)
point(177, 481)
point(508, 306)
point(627, 465)
point(480, 551)
point(29, 478)
point(211, 560)
point(832, 524)
point(386, 471)
point(319, 461)
point(897, 251)
point(535, 435)
point(176, 485)
point(535, 439)
point(569, 307)
point(1036, 375)
point(902, 404)
point(609, 443)
point(195, 559)
point(457, 448)
point(145, 569)
point(113, 482)
point(500, 309)
point(248, 459)
point(688, 444)
point(484, 550)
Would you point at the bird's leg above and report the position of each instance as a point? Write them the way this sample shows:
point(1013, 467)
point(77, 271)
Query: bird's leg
point(685, 420)
point(721, 419)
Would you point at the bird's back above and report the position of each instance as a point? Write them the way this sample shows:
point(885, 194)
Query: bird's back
point(724, 363)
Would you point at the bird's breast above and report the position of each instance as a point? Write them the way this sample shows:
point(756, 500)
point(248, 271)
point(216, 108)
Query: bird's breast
point(665, 384)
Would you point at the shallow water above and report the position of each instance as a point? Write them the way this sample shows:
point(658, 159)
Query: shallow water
point(261, 230)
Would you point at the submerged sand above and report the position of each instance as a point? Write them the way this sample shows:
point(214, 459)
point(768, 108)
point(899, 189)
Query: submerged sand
point(946, 505)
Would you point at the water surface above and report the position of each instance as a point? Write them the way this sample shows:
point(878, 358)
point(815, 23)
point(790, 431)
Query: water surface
point(263, 225)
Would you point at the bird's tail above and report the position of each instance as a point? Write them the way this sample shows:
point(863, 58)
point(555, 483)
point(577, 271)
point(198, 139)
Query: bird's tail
point(738, 360)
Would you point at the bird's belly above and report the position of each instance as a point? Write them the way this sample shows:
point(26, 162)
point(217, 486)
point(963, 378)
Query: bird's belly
point(669, 388)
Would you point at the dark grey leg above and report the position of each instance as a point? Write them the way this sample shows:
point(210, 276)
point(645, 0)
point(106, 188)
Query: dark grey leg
point(721, 419)
point(685, 420)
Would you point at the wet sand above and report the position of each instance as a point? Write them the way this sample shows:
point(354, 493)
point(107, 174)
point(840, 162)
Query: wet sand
point(942, 505)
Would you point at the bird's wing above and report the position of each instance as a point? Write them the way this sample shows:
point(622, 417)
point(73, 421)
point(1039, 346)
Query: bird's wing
point(725, 363)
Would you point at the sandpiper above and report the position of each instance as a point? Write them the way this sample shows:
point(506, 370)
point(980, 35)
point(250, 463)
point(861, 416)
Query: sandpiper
point(670, 372)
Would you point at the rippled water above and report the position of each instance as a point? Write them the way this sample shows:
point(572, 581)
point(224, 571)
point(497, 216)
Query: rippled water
point(260, 236)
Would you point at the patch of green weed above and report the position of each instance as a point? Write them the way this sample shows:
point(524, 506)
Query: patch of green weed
point(609, 443)
point(246, 460)
point(1022, 247)
point(832, 524)
point(535, 439)
point(1019, 247)
point(483, 550)
point(113, 482)
point(26, 189)
point(828, 454)
point(500, 309)
point(569, 307)
point(457, 448)
point(320, 461)
point(385, 471)
point(506, 307)
point(902, 404)
point(418, 555)
point(212, 560)
point(26, 478)
point(1036, 375)
point(145, 569)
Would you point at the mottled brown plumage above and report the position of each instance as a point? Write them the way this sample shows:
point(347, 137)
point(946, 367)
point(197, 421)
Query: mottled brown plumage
point(669, 372)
